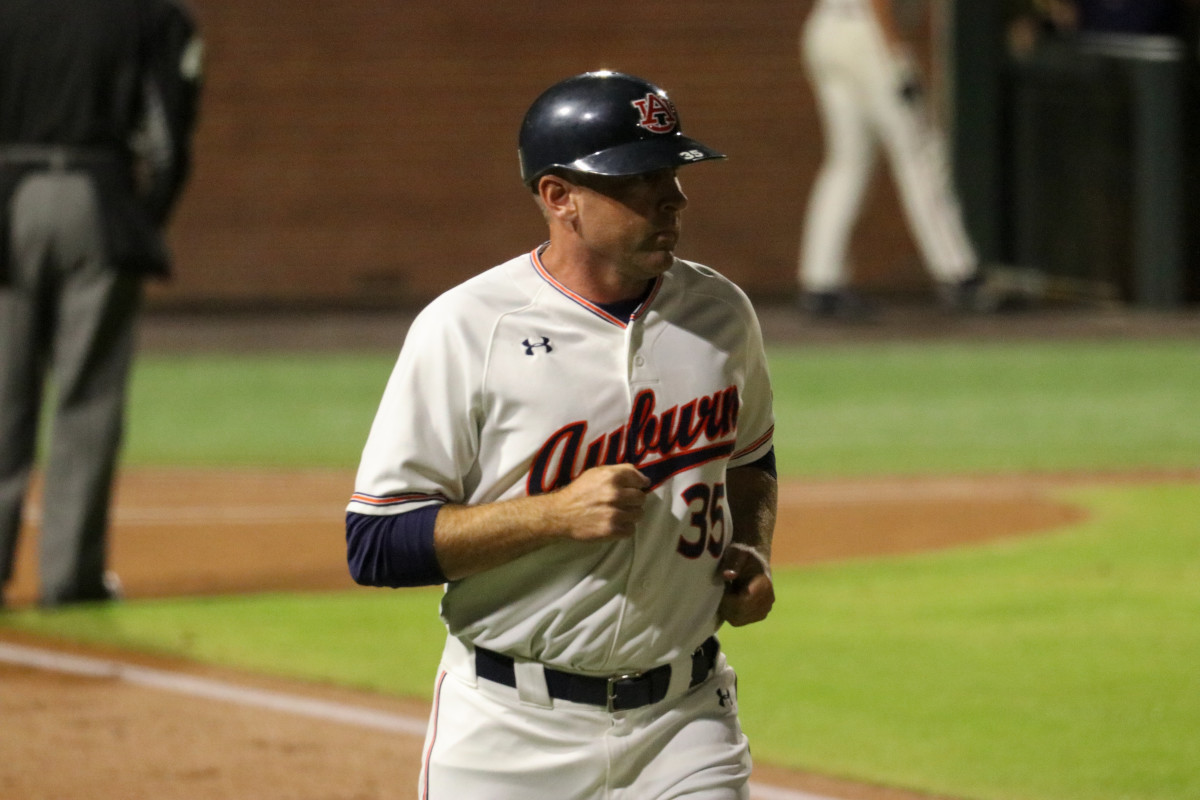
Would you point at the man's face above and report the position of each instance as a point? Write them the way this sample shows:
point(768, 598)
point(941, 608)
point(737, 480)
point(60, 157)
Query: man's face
point(631, 221)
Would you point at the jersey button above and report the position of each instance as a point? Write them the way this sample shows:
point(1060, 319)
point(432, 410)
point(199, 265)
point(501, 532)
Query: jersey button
point(639, 361)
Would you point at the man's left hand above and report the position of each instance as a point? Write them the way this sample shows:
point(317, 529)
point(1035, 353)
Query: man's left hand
point(749, 590)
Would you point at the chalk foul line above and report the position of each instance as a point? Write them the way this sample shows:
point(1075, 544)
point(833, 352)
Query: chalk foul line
point(296, 705)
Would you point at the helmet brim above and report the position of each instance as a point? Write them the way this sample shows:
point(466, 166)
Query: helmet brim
point(635, 158)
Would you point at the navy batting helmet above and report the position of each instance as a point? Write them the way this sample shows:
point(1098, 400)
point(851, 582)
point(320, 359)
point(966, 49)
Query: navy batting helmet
point(604, 123)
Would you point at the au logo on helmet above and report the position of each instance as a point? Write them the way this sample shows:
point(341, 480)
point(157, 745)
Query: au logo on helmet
point(658, 113)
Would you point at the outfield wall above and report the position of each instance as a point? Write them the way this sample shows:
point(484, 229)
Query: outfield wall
point(364, 153)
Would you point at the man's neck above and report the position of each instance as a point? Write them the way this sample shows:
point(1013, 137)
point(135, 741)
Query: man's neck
point(600, 283)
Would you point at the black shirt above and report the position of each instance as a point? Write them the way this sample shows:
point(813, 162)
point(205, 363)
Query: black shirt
point(94, 73)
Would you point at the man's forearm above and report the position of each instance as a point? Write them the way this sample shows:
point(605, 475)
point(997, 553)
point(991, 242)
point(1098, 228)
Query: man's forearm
point(472, 539)
point(602, 504)
point(753, 502)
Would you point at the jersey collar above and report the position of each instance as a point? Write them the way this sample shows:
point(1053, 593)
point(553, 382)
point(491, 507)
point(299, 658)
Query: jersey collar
point(536, 258)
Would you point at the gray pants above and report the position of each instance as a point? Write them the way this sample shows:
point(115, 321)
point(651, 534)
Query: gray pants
point(69, 313)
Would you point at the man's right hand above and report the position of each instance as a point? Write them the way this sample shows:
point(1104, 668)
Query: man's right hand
point(602, 503)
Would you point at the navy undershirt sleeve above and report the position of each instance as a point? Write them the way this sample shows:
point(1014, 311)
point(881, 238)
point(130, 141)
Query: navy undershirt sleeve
point(766, 463)
point(394, 550)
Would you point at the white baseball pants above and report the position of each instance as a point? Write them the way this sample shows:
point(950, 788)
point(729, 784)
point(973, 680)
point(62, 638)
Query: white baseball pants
point(858, 82)
point(485, 741)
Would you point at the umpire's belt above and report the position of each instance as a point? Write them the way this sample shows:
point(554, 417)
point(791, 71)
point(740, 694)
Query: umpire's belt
point(616, 693)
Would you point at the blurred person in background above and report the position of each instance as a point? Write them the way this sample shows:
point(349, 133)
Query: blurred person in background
point(97, 105)
point(869, 93)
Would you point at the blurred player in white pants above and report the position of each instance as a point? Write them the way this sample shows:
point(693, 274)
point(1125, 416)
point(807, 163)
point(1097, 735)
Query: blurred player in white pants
point(868, 91)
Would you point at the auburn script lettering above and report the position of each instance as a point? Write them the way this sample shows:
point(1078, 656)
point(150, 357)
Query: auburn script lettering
point(660, 444)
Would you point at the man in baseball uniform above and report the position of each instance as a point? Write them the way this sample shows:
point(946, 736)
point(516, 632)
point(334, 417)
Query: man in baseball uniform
point(578, 444)
point(868, 92)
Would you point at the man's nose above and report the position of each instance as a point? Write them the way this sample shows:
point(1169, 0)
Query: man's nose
point(673, 198)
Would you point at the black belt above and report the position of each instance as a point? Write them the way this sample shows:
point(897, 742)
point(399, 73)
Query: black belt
point(617, 693)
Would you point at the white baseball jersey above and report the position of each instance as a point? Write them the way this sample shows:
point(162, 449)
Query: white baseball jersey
point(511, 384)
point(858, 81)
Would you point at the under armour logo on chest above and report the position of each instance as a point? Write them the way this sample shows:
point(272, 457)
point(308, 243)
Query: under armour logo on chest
point(530, 344)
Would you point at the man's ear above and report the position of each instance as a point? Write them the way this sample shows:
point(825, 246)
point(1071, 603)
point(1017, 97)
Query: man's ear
point(557, 195)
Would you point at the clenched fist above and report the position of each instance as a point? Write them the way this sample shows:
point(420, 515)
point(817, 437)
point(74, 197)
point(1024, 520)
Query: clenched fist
point(749, 590)
point(603, 503)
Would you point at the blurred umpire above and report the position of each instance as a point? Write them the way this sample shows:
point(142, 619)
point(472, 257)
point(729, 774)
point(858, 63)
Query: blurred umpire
point(97, 104)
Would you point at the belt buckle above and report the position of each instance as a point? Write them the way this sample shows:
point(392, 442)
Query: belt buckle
point(612, 687)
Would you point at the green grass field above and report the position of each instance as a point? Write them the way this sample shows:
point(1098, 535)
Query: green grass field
point(1060, 667)
point(848, 410)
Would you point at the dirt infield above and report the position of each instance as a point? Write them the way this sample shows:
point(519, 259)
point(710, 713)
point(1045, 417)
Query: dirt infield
point(218, 532)
point(185, 532)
